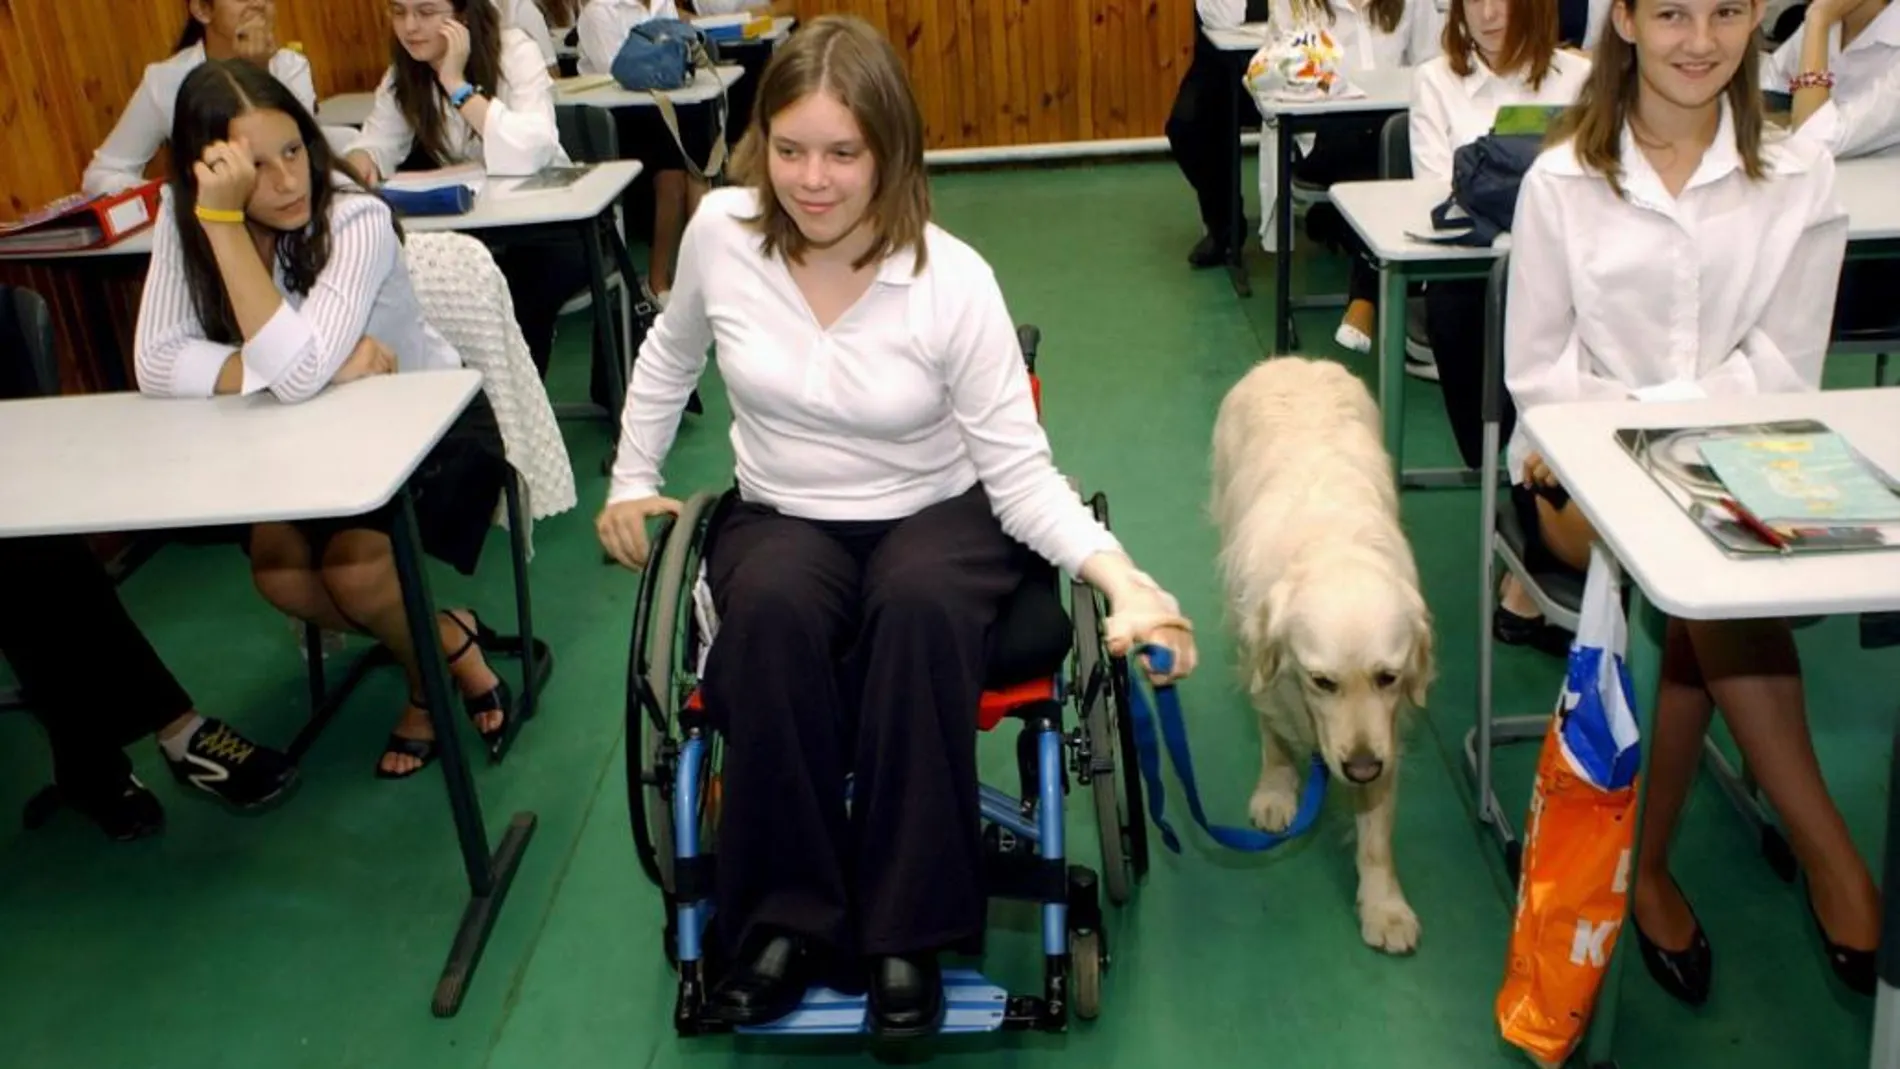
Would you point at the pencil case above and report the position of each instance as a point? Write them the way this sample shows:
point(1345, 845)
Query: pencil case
point(448, 200)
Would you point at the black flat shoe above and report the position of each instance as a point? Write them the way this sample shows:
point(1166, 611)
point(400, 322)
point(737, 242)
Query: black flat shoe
point(1210, 251)
point(906, 997)
point(1855, 968)
point(1533, 631)
point(764, 986)
point(1687, 973)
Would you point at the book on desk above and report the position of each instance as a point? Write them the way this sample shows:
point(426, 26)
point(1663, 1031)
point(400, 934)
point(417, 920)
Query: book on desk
point(1772, 489)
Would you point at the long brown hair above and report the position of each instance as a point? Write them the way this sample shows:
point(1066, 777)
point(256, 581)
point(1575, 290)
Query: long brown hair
point(418, 93)
point(845, 56)
point(212, 95)
point(1530, 41)
point(560, 13)
point(1596, 123)
point(1386, 14)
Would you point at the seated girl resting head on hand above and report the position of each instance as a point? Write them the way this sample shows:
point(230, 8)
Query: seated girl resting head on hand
point(267, 276)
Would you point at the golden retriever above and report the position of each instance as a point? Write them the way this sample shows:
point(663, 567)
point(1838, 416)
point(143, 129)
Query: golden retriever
point(1334, 639)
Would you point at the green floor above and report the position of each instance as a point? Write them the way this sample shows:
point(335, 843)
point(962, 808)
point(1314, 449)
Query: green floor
point(313, 936)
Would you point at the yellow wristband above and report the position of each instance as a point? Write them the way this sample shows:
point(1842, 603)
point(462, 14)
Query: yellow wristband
point(215, 215)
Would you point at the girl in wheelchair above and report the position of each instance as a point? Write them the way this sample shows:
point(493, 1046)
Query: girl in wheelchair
point(893, 479)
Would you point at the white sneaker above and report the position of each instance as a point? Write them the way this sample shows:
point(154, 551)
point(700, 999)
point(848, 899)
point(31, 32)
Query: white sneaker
point(1351, 337)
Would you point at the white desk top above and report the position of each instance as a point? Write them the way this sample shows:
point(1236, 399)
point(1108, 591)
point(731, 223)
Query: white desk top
point(707, 85)
point(1680, 568)
point(1383, 212)
point(345, 109)
point(498, 206)
point(123, 462)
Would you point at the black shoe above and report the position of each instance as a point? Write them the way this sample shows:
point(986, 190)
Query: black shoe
point(906, 997)
point(1855, 968)
point(765, 986)
point(233, 769)
point(124, 811)
point(1210, 251)
point(1533, 631)
point(1687, 973)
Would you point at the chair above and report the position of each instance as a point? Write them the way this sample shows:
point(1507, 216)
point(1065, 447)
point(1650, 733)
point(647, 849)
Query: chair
point(1044, 659)
point(589, 135)
point(1559, 597)
point(29, 367)
point(1395, 164)
point(465, 296)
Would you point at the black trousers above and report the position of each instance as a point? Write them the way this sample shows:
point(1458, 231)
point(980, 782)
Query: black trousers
point(1199, 134)
point(853, 648)
point(544, 272)
point(1345, 149)
point(87, 672)
point(1454, 324)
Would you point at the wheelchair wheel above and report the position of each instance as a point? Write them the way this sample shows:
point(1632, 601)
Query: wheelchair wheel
point(660, 679)
point(1110, 737)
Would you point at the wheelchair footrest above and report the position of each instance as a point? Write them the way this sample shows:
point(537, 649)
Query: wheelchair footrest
point(972, 1004)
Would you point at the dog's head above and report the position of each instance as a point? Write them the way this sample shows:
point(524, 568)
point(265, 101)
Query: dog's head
point(1357, 640)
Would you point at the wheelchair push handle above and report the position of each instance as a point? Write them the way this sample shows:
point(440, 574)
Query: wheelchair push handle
point(1029, 338)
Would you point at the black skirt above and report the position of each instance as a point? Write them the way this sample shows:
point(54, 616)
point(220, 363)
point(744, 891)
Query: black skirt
point(455, 489)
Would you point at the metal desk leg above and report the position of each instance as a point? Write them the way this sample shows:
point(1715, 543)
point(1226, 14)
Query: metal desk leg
point(1283, 333)
point(489, 875)
point(606, 324)
point(1646, 630)
point(1392, 361)
point(1886, 1044)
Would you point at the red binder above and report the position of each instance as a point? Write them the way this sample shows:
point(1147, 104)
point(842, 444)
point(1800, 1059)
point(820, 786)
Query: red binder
point(77, 222)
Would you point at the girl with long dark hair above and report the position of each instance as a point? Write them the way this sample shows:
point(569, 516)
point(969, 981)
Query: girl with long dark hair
point(266, 275)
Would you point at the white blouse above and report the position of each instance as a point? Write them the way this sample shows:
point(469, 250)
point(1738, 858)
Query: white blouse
point(1449, 112)
point(526, 16)
point(1727, 288)
point(146, 124)
point(917, 393)
point(520, 136)
point(603, 26)
point(1362, 44)
point(1862, 114)
point(364, 289)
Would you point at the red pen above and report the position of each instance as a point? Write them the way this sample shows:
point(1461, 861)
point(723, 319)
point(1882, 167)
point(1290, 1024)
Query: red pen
point(1754, 524)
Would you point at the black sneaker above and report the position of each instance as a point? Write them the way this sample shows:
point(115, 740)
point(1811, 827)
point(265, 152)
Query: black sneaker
point(232, 768)
point(124, 811)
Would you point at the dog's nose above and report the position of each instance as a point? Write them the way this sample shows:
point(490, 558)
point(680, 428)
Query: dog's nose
point(1362, 767)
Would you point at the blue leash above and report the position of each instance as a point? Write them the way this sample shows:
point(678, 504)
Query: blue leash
point(1174, 732)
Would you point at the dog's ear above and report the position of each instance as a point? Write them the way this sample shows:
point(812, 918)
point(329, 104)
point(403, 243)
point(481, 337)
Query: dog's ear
point(1421, 669)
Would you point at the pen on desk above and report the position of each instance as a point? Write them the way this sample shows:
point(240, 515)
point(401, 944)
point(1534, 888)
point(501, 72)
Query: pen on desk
point(1755, 526)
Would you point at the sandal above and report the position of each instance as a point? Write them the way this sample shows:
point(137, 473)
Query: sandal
point(497, 698)
point(423, 750)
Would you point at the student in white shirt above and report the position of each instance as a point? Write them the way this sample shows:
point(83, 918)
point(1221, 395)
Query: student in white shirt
point(1667, 246)
point(893, 483)
point(266, 276)
point(528, 17)
point(1497, 53)
point(461, 88)
point(1198, 128)
point(1372, 35)
point(603, 29)
point(214, 29)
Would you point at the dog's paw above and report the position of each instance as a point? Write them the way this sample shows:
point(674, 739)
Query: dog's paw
point(1387, 923)
point(1272, 808)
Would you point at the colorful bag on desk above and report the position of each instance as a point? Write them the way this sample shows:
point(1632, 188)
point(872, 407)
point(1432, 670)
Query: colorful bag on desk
point(1577, 839)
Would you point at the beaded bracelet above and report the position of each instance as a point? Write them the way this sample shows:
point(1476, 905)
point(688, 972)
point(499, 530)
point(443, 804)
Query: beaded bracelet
point(1811, 80)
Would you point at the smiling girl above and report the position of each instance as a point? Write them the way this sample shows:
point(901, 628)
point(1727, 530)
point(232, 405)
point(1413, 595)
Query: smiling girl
point(1666, 245)
point(214, 29)
point(266, 276)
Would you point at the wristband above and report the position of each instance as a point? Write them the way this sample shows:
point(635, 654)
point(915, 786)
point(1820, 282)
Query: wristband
point(217, 215)
point(462, 95)
point(1811, 80)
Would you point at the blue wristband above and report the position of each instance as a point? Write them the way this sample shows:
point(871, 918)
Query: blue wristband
point(462, 95)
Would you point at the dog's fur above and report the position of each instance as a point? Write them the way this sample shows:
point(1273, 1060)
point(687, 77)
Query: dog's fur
point(1334, 640)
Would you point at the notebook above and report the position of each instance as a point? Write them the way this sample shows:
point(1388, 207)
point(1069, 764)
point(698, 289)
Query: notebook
point(1786, 487)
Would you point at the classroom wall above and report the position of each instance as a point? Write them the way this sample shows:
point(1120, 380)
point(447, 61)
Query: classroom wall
point(990, 72)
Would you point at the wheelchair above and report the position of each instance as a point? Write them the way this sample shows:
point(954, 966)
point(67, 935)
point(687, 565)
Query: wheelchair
point(1044, 659)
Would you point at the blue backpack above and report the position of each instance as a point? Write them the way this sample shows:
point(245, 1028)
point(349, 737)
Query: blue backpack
point(662, 54)
point(1485, 176)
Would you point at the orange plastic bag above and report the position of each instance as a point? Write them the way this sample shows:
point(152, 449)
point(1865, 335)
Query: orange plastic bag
point(1570, 906)
point(1577, 839)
